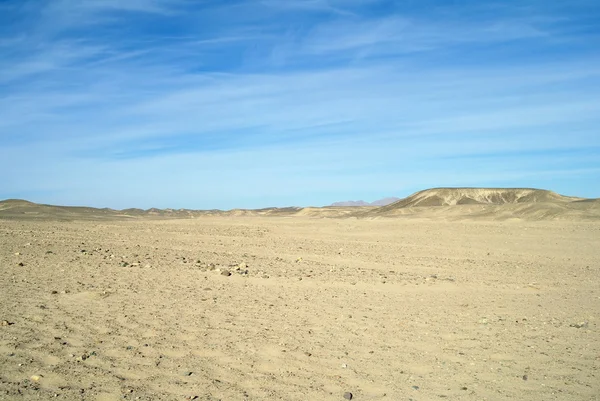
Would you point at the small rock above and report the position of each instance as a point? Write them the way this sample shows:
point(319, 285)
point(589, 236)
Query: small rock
point(415, 387)
point(243, 265)
point(226, 273)
point(188, 373)
point(17, 253)
point(54, 292)
point(348, 395)
point(579, 325)
point(525, 377)
point(21, 264)
point(463, 388)
point(36, 378)
point(6, 323)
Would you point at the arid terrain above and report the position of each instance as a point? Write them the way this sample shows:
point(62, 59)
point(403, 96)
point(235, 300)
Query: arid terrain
point(459, 300)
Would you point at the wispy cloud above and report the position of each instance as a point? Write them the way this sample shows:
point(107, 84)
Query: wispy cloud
point(303, 102)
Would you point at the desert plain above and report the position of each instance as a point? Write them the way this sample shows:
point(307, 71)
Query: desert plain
point(236, 307)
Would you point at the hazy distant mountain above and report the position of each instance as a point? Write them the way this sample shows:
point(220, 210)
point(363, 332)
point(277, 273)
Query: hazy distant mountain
point(379, 202)
point(385, 201)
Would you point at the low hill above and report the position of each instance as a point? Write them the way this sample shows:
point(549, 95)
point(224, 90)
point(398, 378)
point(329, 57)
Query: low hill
point(22, 209)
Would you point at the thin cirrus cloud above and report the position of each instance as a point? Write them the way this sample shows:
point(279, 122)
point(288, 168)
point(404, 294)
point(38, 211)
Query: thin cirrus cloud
point(172, 103)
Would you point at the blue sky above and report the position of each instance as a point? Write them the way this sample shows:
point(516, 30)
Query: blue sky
point(226, 104)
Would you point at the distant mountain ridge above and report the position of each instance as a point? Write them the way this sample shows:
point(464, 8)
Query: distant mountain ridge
point(436, 203)
point(379, 202)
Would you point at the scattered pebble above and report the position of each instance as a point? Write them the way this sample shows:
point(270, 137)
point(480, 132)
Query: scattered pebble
point(226, 273)
point(348, 395)
point(525, 377)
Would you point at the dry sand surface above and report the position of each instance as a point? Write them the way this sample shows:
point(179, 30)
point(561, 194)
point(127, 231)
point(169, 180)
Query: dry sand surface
point(385, 309)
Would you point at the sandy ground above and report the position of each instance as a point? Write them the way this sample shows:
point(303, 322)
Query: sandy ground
point(389, 309)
